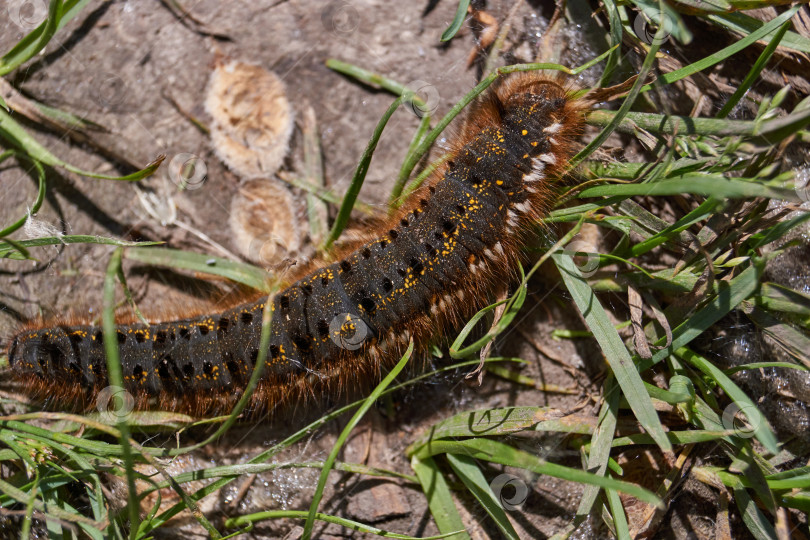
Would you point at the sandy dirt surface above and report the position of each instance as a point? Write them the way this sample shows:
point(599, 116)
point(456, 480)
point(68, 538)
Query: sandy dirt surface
point(132, 67)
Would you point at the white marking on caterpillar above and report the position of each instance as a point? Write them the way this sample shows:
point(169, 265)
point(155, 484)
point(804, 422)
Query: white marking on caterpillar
point(460, 295)
point(548, 158)
point(488, 253)
point(537, 171)
point(553, 128)
point(552, 141)
point(523, 207)
point(499, 248)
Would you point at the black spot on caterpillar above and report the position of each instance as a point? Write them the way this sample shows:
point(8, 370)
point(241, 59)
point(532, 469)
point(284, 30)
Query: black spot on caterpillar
point(340, 325)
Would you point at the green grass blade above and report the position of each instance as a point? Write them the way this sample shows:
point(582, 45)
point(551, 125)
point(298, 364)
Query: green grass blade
point(756, 522)
point(41, 186)
point(9, 251)
point(613, 348)
point(343, 522)
point(626, 105)
point(729, 295)
point(776, 297)
point(250, 275)
point(469, 473)
point(745, 24)
point(116, 379)
point(760, 365)
point(792, 341)
point(601, 443)
point(756, 69)
point(344, 435)
point(359, 177)
point(665, 16)
point(713, 59)
point(676, 437)
point(513, 305)
point(497, 422)
point(253, 382)
point(439, 498)
point(761, 428)
point(716, 186)
point(324, 194)
point(618, 515)
point(777, 232)
point(458, 20)
point(615, 38)
point(366, 76)
point(768, 132)
point(33, 42)
point(706, 209)
point(498, 452)
point(17, 137)
point(396, 191)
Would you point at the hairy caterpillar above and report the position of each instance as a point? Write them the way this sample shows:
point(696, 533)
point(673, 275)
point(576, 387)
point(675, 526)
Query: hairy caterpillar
point(339, 325)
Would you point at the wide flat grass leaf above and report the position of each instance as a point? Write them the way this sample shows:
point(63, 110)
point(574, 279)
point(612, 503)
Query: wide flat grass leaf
point(497, 452)
point(458, 20)
point(493, 422)
point(467, 470)
point(440, 500)
point(58, 15)
point(601, 443)
point(207, 264)
point(729, 295)
point(613, 348)
point(745, 24)
point(756, 522)
point(761, 428)
point(716, 186)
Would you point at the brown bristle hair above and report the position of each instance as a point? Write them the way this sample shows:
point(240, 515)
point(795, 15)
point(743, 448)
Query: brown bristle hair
point(550, 116)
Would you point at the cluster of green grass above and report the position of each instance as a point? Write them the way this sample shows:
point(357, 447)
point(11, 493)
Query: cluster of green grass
point(714, 161)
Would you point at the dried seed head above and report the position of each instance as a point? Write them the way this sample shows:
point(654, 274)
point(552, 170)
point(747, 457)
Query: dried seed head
point(264, 222)
point(253, 120)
